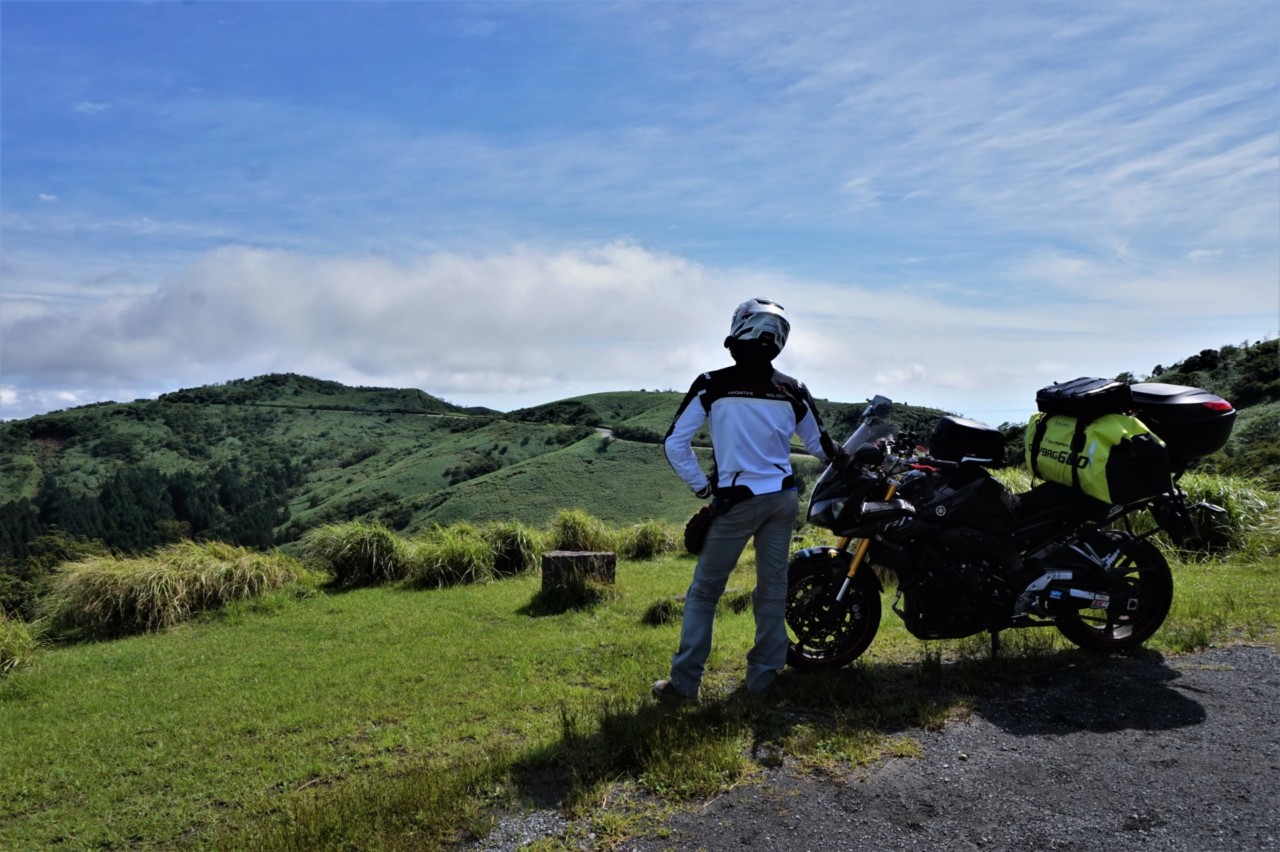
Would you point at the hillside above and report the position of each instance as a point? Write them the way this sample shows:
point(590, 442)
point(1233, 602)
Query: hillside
point(1248, 376)
point(289, 390)
point(260, 461)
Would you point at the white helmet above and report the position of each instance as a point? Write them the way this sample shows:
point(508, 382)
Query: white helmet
point(760, 319)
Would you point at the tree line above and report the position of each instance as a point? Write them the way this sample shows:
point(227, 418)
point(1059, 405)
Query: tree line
point(141, 507)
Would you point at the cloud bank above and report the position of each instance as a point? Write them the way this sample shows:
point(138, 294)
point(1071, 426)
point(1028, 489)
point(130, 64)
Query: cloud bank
point(529, 325)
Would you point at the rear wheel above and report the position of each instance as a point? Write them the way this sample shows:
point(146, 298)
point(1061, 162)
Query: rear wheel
point(1136, 611)
point(824, 632)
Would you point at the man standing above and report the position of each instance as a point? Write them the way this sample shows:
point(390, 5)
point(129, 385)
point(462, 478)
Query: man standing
point(753, 410)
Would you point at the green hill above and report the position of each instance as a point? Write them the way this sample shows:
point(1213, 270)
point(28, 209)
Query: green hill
point(1249, 377)
point(289, 390)
point(260, 461)
point(639, 408)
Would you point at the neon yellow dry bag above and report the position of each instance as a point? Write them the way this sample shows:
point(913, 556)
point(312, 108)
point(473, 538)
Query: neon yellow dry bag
point(1114, 458)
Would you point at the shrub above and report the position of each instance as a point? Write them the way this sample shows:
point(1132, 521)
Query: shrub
point(515, 547)
point(574, 529)
point(17, 644)
point(356, 553)
point(649, 539)
point(108, 596)
point(449, 555)
point(1250, 523)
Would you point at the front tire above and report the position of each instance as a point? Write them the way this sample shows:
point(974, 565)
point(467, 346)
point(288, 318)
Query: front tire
point(1136, 612)
point(823, 632)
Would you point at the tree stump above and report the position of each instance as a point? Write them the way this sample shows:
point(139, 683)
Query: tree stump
point(571, 568)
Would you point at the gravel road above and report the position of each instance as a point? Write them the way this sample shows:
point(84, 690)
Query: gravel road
point(1180, 753)
point(1144, 753)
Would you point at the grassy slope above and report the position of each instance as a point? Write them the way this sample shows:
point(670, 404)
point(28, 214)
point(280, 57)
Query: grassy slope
point(363, 456)
point(616, 481)
point(172, 739)
point(636, 408)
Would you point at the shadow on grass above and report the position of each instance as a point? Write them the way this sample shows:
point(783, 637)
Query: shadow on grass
point(847, 717)
point(557, 600)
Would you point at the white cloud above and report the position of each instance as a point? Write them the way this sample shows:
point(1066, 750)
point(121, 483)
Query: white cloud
point(530, 325)
point(91, 107)
point(48, 198)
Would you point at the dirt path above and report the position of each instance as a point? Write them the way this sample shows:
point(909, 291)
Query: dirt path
point(1139, 754)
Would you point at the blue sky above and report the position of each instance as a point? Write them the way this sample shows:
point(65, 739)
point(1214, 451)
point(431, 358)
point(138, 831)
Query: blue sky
point(508, 203)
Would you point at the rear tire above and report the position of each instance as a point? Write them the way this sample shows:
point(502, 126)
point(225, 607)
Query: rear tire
point(824, 633)
point(1134, 615)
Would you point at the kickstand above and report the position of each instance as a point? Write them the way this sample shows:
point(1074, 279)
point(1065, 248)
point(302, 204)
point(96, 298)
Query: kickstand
point(995, 644)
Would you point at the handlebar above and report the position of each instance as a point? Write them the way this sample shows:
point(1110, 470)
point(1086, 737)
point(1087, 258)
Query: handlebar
point(939, 464)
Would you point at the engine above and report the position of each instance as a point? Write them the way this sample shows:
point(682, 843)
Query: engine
point(948, 596)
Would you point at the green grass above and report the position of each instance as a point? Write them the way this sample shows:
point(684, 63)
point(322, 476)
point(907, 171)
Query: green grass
point(17, 644)
point(216, 723)
point(391, 718)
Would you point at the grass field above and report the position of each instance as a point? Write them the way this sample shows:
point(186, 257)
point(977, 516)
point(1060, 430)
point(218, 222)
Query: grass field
point(389, 718)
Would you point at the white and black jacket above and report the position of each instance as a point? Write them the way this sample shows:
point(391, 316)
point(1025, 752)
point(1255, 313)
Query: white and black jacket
point(752, 416)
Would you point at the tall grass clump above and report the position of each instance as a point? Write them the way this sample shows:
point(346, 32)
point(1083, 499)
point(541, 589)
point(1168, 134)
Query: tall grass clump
point(357, 553)
point(516, 547)
point(17, 644)
point(649, 539)
point(1250, 522)
point(105, 597)
point(1015, 477)
point(447, 556)
point(574, 529)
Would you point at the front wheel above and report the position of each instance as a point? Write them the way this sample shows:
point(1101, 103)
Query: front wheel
point(824, 632)
point(1136, 611)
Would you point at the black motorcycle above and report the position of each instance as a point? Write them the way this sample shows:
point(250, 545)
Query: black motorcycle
point(971, 557)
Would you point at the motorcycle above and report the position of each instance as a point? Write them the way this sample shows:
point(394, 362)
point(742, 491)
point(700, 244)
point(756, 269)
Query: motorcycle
point(969, 556)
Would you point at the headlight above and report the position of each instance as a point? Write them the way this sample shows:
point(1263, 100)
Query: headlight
point(823, 513)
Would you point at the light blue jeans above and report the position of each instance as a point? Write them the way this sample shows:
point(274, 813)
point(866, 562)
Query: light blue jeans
point(770, 518)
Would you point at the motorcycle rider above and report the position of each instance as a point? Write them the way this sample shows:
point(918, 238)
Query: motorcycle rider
point(753, 410)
